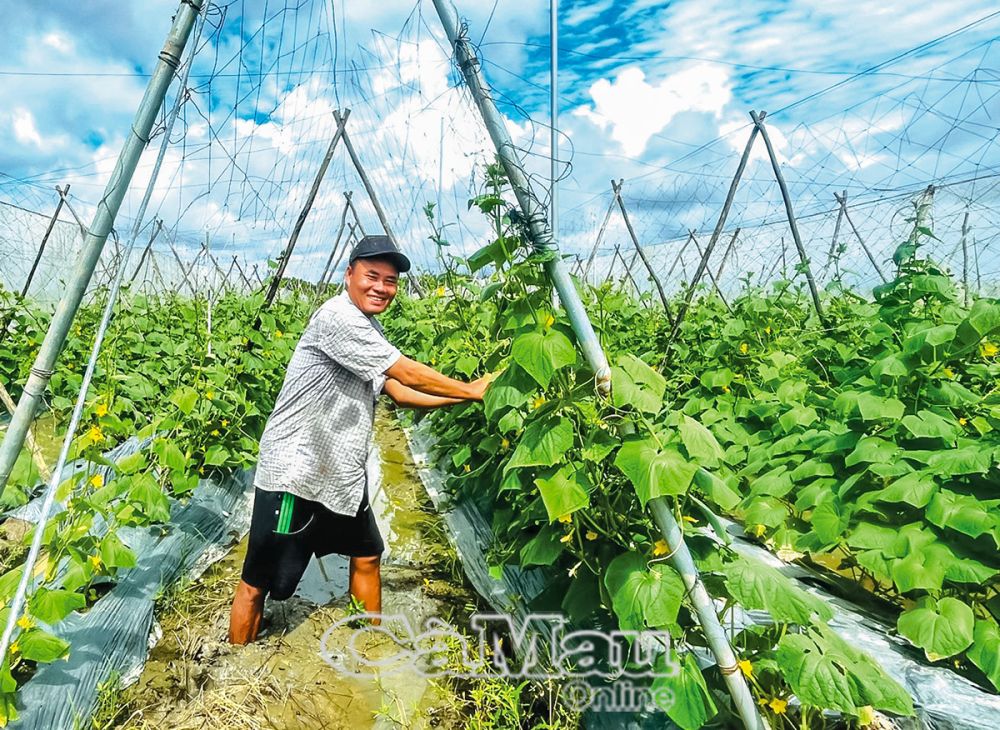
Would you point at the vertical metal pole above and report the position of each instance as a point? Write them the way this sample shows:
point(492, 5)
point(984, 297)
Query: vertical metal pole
point(541, 234)
point(272, 290)
point(803, 259)
point(600, 233)
point(617, 190)
point(370, 189)
point(107, 210)
point(864, 246)
point(45, 239)
point(554, 118)
point(965, 257)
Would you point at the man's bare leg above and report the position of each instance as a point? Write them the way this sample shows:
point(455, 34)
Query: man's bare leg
point(366, 582)
point(246, 613)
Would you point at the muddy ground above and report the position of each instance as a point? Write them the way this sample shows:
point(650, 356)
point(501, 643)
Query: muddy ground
point(194, 679)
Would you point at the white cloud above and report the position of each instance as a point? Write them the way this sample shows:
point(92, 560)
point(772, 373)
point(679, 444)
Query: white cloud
point(635, 110)
point(25, 130)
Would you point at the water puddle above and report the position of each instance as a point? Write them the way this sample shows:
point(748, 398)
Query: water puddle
point(195, 679)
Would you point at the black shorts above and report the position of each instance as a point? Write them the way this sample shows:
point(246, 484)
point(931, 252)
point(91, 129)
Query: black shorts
point(286, 531)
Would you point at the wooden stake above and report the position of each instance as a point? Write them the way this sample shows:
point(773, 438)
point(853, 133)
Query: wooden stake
point(836, 233)
point(600, 232)
point(803, 259)
point(617, 189)
point(45, 239)
point(965, 257)
point(864, 246)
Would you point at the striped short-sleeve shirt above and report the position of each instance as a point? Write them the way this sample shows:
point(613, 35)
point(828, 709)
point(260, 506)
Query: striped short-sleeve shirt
point(319, 435)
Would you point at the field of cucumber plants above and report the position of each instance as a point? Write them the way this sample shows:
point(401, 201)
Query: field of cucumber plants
point(865, 445)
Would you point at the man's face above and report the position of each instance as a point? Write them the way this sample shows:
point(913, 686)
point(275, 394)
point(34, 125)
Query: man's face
point(371, 284)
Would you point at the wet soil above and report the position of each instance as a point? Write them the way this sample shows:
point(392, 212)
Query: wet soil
point(195, 679)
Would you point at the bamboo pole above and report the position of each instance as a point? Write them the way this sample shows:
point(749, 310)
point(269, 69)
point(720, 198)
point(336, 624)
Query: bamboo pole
point(107, 210)
point(272, 289)
point(680, 254)
point(45, 239)
point(711, 276)
point(600, 232)
point(157, 227)
point(965, 257)
point(836, 234)
point(719, 225)
point(725, 254)
point(370, 189)
point(617, 190)
point(541, 238)
point(541, 234)
point(242, 274)
point(336, 242)
point(864, 246)
point(803, 259)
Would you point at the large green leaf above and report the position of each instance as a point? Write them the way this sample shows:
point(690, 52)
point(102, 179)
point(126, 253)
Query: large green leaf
point(690, 703)
point(643, 596)
point(962, 513)
point(922, 568)
point(634, 383)
point(983, 321)
point(512, 389)
point(41, 646)
point(53, 605)
point(759, 586)
point(915, 489)
point(825, 671)
point(654, 472)
point(926, 424)
point(541, 353)
point(699, 442)
point(941, 628)
point(985, 649)
point(564, 491)
point(872, 450)
point(544, 443)
point(543, 548)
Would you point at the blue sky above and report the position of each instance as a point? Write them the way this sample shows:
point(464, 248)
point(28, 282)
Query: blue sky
point(653, 92)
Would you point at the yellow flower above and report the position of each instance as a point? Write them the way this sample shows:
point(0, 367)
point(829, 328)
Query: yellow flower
point(97, 481)
point(95, 560)
point(962, 421)
point(101, 410)
point(279, 333)
point(566, 538)
point(225, 422)
point(467, 468)
point(744, 348)
point(689, 518)
point(759, 530)
point(767, 330)
point(504, 444)
point(95, 435)
point(988, 349)
point(778, 706)
point(538, 402)
point(725, 388)
point(439, 291)
point(15, 648)
point(25, 622)
point(591, 535)
point(215, 432)
point(661, 548)
point(746, 667)
point(866, 715)
point(434, 361)
point(549, 321)
point(566, 519)
point(210, 394)
point(948, 373)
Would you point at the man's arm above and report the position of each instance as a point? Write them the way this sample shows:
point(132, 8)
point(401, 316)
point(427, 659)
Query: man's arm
point(409, 398)
point(428, 381)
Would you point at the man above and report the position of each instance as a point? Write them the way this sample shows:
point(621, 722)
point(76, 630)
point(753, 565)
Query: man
point(311, 493)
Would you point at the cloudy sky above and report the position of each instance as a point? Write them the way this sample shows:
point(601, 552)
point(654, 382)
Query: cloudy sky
point(878, 99)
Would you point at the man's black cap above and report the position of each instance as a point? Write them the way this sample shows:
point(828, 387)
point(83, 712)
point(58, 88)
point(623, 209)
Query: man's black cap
point(380, 247)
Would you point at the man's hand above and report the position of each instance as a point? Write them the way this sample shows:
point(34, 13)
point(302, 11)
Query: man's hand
point(479, 386)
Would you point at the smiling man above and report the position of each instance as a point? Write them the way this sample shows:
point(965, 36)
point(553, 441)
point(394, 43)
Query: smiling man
point(311, 495)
